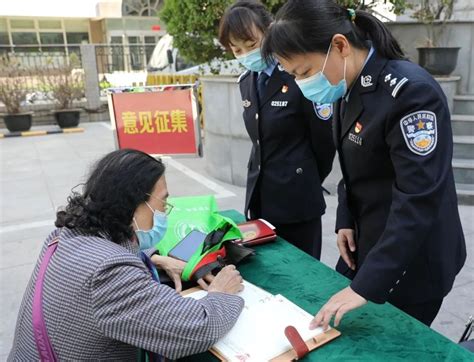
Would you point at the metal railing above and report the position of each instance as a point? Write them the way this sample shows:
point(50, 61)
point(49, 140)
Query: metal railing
point(126, 58)
point(35, 57)
point(34, 71)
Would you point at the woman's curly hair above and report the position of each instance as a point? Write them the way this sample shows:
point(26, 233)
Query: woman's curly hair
point(118, 183)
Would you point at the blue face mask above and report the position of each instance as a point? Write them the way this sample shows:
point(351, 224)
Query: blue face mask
point(150, 238)
point(318, 89)
point(253, 61)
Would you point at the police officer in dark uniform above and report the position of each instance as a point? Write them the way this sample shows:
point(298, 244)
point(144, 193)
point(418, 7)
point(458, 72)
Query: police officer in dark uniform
point(292, 149)
point(399, 231)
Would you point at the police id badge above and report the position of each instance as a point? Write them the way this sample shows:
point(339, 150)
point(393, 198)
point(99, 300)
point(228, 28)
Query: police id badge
point(420, 132)
point(323, 111)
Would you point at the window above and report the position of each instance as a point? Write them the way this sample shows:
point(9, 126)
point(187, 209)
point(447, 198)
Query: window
point(4, 43)
point(49, 24)
point(74, 25)
point(4, 39)
point(22, 24)
point(74, 40)
point(24, 38)
point(54, 39)
point(19, 38)
point(150, 42)
point(77, 38)
point(51, 38)
point(141, 7)
point(3, 24)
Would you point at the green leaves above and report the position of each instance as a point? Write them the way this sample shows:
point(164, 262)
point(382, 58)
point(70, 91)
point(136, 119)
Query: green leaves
point(194, 24)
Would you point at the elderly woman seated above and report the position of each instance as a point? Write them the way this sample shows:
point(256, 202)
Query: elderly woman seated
point(99, 296)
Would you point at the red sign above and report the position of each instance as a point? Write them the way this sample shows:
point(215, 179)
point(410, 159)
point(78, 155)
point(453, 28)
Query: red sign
point(156, 122)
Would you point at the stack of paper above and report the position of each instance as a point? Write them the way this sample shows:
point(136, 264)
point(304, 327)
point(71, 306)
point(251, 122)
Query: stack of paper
point(259, 334)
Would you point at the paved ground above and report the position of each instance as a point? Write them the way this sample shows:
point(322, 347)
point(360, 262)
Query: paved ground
point(38, 173)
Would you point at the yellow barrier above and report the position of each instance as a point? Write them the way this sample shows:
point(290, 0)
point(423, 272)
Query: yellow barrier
point(40, 132)
point(162, 79)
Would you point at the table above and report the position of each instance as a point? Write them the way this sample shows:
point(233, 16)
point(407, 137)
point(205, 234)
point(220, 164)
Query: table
point(371, 333)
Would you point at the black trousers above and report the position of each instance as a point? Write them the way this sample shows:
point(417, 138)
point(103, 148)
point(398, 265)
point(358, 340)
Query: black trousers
point(425, 312)
point(305, 235)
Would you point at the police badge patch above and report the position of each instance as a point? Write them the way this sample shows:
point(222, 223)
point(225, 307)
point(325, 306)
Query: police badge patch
point(420, 132)
point(323, 111)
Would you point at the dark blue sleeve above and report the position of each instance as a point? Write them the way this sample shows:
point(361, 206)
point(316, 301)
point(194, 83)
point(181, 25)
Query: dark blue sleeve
point(422, 165)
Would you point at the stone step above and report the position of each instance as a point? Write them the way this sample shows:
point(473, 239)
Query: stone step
point(464, 104)
point(463, 124)
point(463, 147)
point(463, 171)
point(465, 194)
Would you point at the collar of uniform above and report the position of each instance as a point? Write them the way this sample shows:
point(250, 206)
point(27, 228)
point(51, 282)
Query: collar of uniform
point(371, 51)
point(366, 81)
point(269, 70)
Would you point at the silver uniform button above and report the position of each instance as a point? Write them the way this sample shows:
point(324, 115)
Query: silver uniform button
point(391, 290)
point(256, 116)
point(398, 281)
point(404, 272)
point(299, 170)
point(258, 142)
point(259, 167)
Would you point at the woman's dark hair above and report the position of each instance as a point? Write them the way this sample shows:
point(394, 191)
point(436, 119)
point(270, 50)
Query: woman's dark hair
point(304, 26)
point(239, 20)
point(118, 183)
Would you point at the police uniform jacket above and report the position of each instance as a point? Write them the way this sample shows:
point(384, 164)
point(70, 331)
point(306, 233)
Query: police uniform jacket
point(292, 149)
point(394, 140)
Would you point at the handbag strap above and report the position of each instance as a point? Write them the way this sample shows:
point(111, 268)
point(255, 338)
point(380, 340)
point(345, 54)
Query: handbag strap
point(43, 343)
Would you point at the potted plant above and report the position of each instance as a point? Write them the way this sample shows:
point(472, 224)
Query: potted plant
point(436, 59)
point(65, 84)
point(13, 91)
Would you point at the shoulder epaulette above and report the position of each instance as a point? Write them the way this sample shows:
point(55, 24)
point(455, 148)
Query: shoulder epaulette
point(392, 81)
point(243, 75)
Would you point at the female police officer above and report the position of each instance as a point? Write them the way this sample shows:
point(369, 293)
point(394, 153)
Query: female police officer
point(292, 149)
point(399, 232)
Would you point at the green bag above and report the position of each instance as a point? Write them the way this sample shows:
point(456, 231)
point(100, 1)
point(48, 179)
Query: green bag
point(195, 213)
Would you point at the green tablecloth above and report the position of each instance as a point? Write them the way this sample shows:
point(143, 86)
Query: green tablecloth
point(371, 333)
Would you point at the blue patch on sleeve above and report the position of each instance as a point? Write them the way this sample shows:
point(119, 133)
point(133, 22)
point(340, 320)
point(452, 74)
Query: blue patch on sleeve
point(420, 132)
point(323, 111)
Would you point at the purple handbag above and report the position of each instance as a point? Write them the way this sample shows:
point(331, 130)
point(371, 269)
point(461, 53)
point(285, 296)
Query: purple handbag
point(43, 344)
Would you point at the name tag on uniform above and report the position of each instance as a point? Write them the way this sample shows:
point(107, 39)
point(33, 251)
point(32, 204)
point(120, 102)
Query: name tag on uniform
point(279, 103)
point(356, 139)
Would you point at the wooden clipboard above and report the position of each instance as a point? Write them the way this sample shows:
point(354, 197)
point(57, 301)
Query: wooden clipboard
point(313, 343)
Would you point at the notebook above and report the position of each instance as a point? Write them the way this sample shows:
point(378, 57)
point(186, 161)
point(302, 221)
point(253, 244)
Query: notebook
point(256, 232)
point(258, 334)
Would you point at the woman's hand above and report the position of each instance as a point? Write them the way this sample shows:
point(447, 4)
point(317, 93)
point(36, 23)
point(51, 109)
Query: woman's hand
point(346, 245)
point(228, 281)
point(339, 304)
point(174, 268)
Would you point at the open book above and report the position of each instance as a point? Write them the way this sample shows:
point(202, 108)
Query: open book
point(259, 334)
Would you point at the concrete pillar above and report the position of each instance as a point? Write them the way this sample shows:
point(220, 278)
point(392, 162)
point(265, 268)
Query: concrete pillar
point(226, 142)
point(449, 85)
point(91, 81)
